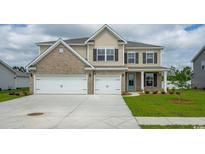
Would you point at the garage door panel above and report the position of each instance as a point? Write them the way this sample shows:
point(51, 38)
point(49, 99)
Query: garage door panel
point(107, 85)
point(61, 85)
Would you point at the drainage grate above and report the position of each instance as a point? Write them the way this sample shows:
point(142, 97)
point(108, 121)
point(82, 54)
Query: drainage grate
point(35, 114)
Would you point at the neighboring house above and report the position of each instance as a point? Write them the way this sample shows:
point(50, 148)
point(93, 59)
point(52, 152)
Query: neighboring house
point(10, 79)
point(104, 63)
point(198, 76)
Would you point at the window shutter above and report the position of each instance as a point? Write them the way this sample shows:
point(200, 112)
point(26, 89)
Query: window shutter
point(94, 54)
point(116, 54)
point(155, 58)
point(136, 57)
point(155, 79)
point(125, 58)
point(144, 58)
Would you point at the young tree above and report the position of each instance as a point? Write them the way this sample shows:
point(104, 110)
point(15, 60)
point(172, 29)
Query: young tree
point(180, 77)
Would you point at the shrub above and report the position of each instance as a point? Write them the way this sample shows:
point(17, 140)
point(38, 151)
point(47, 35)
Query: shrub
point(155, 92)
point(9, 88)
point(204, 88)
point(178, 93)
point(0, 89)
point(25, 93)
point(12, 93)
point(162, 91)
point(147, 92)
point(17, 94)
point(171, 91)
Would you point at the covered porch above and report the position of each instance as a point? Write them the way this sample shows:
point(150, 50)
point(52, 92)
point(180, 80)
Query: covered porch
point(145, 78)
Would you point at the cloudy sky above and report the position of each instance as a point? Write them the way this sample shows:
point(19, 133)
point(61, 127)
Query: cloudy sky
point(181, 42)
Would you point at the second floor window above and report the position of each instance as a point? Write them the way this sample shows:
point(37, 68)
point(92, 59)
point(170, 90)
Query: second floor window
point(203, 65)
point(131, 57)
point(105, 54)
point(101, 54)
point(150, 57)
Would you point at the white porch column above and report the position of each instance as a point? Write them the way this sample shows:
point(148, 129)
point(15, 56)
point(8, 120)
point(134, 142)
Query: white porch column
point(142, 81)
point(165, 81)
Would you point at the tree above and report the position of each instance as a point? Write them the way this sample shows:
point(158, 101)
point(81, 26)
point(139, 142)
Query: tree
point(180, 77)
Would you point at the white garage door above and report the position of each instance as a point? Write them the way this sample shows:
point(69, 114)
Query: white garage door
point(107, 85)
point(73, 84)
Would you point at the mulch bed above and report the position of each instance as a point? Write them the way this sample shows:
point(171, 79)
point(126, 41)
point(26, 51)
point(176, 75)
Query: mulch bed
point(181, 101)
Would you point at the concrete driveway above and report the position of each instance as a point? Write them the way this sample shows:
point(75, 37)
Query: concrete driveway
point(67, 111)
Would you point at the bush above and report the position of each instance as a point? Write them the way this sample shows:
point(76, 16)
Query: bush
point(0, 89)
point(155, 92)
point(162, 91)
point(195, 88)
point(171, 91)
point(178, 93)
point(147, 92)
point(25, 93)
point(9, 89)
point(12, 93)
point(17, 94)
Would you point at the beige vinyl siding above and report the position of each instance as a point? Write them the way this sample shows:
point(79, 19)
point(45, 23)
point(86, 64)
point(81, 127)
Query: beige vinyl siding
point(141, 51)
point(81, 49)
point(43, 48)
point(106, 40)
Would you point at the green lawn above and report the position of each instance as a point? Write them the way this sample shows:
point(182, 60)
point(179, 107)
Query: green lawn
point(161, 105)
point(170, 126)
point(4, 95)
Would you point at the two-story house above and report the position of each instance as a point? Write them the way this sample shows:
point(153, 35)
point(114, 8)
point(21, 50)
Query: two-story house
point(104, 63)
point(198, 76)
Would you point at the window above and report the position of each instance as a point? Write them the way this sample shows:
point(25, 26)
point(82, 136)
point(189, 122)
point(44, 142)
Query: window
point(105, 54)
point(101, 54)
point(149, 57)
point(61, 50)
point(131, 57)
point(110, 54)
point(203, 65)
point(149, 79)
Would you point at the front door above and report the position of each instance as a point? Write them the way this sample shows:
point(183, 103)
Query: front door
point(131, 82)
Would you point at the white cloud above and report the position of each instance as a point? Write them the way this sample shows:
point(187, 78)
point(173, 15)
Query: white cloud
point(17, 46)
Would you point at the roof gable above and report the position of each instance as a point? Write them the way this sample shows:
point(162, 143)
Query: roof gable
point(60, 41)
point(7, 66)
point(198, 54)
point(109, 29)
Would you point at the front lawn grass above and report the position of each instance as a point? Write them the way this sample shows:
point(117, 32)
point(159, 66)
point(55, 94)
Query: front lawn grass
point(4, 95)
point(171, 126)
point(160, 105)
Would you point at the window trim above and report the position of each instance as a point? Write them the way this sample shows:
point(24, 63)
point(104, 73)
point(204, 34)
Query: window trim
point(134, 57)
point(105, 54)
point(147, 52)
point(152, 80)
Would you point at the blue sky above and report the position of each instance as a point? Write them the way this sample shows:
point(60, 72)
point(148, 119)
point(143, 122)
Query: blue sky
point(181, 42)
point(193, 27)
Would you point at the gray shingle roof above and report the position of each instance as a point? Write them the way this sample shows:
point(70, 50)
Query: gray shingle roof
point(69, 41)
point(138, 44)
point(83, 39)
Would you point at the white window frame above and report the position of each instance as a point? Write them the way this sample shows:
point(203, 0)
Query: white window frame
point(152, 80)
point(128, 56)
point(61, 50)
point(148, 52)
point(203, 64)
point(105, 54)
point(97, 54)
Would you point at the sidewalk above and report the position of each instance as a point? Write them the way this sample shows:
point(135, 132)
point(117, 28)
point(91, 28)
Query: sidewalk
point(170, 120)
